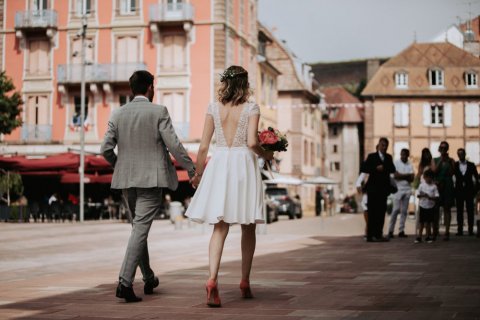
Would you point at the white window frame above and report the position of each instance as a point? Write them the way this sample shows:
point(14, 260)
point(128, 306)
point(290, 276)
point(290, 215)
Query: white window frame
point(471, 80)
point(438, 76)
point(401, 111)
point(126, 8)
point(401, 80)
point(437, 115)
point(79, 11)
point(40, 5)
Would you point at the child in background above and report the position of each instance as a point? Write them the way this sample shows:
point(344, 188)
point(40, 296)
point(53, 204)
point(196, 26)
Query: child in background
point(428, 195)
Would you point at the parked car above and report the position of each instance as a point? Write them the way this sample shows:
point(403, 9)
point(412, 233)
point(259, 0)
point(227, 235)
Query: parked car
point(285, 205)
point(272, 210)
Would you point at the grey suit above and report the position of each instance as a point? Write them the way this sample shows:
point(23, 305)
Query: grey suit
point(144, 135)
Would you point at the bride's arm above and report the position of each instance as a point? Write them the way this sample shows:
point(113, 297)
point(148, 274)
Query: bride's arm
point(252, 138)
point(207, 134)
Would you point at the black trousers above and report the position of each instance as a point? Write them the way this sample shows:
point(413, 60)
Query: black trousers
point(377, 207)
point(464, 200)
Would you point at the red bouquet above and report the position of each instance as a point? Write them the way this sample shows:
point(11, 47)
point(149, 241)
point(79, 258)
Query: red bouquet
point(272, 140)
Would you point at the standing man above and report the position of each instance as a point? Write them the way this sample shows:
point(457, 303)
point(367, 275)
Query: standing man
point(466, 187)
point(144, 134)
point(403, 177)
point(379, 165)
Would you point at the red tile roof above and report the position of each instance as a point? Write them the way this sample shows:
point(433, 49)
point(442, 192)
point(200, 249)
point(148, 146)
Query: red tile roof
point(338, 95)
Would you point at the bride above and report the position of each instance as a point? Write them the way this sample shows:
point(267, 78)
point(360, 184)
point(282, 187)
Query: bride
point(230, 187)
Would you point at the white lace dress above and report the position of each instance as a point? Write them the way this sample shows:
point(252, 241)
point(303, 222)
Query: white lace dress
point(231, 187)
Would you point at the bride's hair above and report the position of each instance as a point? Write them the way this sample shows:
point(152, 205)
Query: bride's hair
point(234, 86)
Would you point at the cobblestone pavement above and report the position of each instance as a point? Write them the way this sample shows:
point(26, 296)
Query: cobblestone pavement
point(313, 268)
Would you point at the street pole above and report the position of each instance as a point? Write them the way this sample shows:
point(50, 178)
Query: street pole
point(82, 118)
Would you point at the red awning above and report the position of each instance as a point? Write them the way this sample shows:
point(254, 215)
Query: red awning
point(71, 177)
point(97, 163)
point(62, 161)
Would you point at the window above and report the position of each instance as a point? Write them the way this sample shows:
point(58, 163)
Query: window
point(437, 114)
point(173, 53)
point(37, 110)
point(177, 108)
point(83, 7)
point(242, 15)
point(335, 131)
point(305, 152)
point(305, 122)
point(127, 49)
point(335, 148)
point(253, 19)
point(76, 50)
point(436, 78)
point(401, 80)
point(401, 114)
point(471, 80)
point(434, 148)
point(472, 148)
point(128, 7)
point(472, 114)
point(38, 58)
point(38, 5)
point(334, 166)
point(77, 111)
point(312, 154)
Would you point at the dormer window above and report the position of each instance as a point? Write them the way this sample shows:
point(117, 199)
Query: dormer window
point(401, 79)
point(436, 78)
point(471, 79)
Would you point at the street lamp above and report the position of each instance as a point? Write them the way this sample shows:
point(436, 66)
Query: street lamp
point(82, 33)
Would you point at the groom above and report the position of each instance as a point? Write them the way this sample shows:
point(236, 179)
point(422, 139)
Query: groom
point(144, 134)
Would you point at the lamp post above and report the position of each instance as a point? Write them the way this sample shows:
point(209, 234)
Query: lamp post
point(83, 32)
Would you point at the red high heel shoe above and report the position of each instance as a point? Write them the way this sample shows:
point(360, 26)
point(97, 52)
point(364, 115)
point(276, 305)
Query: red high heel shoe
point(245, 288)
point(213, 298)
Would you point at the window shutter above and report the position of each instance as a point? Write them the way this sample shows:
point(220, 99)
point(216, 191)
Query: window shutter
point(434, 148)
point(427, 116)
point(405, 114)
point(447, 109)
point(472, 115)
point(472, 148)
point(397, 111)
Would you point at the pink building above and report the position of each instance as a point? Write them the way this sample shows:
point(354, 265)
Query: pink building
point(185, 44)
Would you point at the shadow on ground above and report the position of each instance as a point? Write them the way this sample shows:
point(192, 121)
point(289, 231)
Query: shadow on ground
point(339, 278)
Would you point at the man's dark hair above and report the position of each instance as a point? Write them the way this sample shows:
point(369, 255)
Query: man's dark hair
point(446, 144)
point(384, 140)
point(461, 149)
point(140, 81)
point(428, 173)
point(406, 151)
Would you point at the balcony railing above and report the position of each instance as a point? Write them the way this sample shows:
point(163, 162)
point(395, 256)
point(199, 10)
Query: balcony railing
point(36, 19)
point(107, 72)
point(36, 132)
point(171, 12)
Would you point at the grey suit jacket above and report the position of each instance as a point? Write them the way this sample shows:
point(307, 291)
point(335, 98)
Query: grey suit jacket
point(144, 135)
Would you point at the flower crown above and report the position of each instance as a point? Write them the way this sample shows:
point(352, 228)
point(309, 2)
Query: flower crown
point(230, 74)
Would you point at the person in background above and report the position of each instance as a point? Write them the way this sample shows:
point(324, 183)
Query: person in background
point(360, 185)
point(466, 187)
point(403, 177)
point(428, 195)
point(444, 167)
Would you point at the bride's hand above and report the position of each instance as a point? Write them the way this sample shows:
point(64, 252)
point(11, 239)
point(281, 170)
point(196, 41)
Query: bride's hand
point(268, 155)
point(195, 181)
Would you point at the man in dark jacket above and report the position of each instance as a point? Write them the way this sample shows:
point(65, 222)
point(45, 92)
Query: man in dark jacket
point(379, 165)
point(466, 187)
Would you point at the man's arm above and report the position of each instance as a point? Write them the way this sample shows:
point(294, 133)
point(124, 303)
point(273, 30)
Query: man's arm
point(476, 177)
point(109, 143)
point(173, 143)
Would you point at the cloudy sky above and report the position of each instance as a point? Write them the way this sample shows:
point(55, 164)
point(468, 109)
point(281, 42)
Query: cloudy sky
point(337, 30)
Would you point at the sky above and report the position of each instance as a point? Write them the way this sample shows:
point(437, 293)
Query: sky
point(339, 30)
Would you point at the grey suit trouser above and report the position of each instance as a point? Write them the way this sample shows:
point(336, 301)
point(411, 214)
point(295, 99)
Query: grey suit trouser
point(142, 204)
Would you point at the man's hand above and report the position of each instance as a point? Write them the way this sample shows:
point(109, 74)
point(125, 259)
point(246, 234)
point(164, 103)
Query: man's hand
point(380, 168)
point(359, 190)
point(268, 155)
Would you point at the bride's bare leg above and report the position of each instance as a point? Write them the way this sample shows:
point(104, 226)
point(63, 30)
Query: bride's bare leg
point(248, 249)
point(217, 241)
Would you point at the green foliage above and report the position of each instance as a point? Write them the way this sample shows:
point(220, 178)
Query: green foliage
point(356, 88)
point(12, 181)
point(9, 105)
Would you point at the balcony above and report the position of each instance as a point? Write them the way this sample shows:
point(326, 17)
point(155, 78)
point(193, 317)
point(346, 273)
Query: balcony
point(171, 14)
point(97, 73)
point(36, 19)
point(36, 132)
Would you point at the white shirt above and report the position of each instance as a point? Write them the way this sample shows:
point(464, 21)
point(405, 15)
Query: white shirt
point(430, 190)
point(360, 179)
point(463, 167)
point(403, 168)
point(381, 155)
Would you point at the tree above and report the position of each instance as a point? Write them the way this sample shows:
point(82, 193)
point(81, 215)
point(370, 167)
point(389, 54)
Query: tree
point(11, 186)
point(9, 105)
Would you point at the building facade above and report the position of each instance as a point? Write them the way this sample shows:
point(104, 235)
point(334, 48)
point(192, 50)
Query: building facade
point(345, 130)
point(185, 44)
point(427, 93)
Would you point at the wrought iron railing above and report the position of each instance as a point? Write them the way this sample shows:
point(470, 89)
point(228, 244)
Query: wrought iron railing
point(36, 19)
point(106, 72)
point(171, 12)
